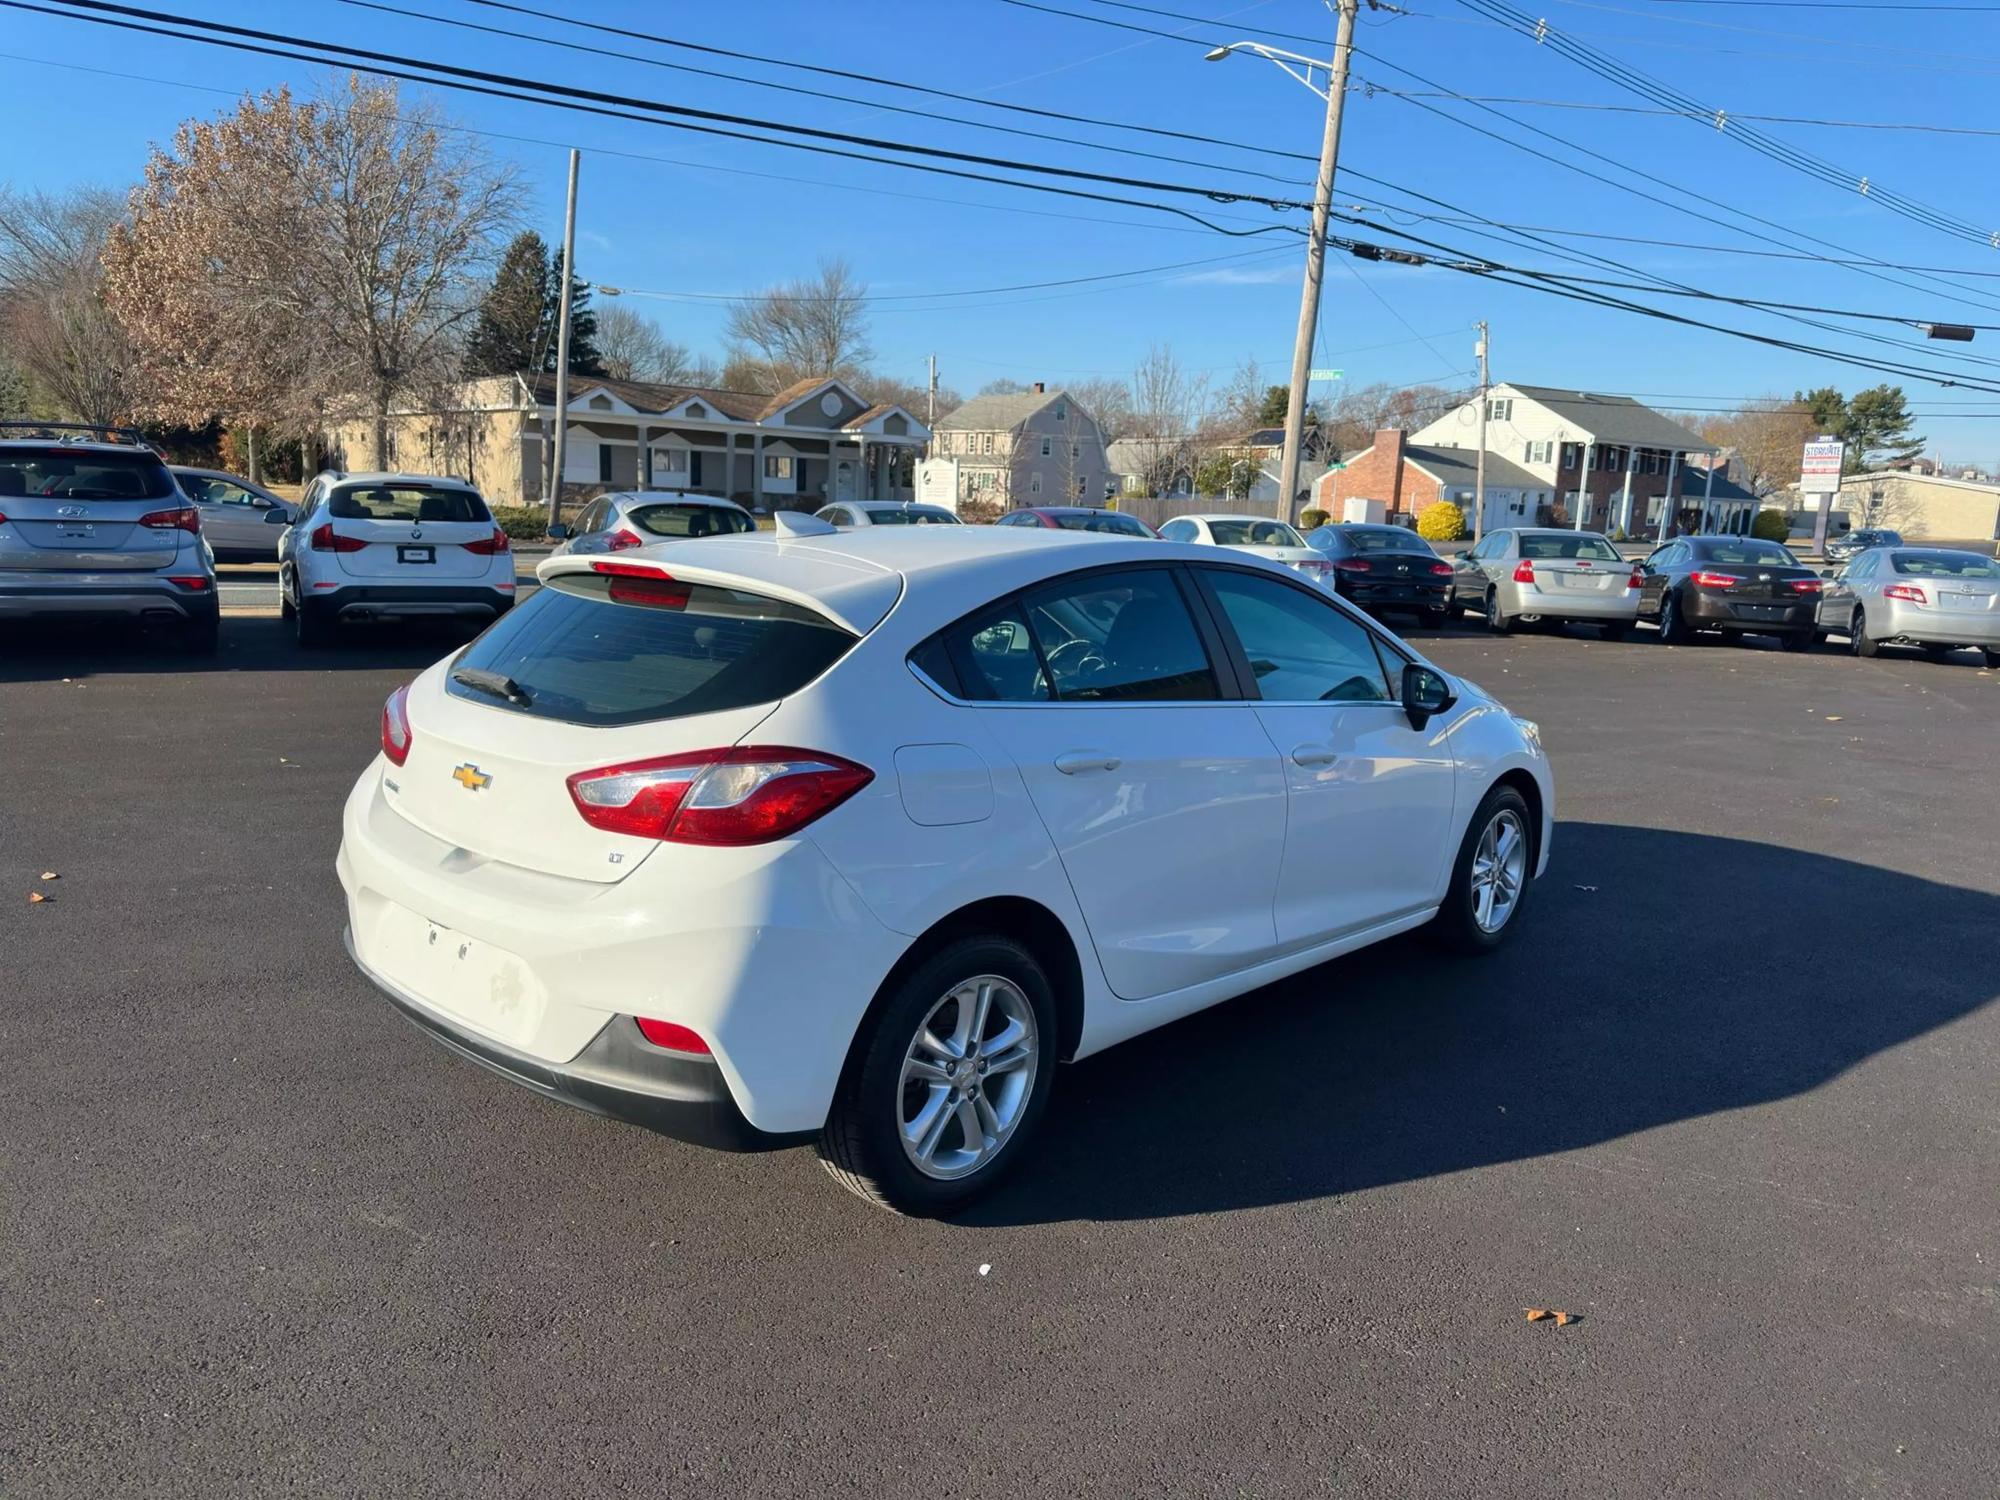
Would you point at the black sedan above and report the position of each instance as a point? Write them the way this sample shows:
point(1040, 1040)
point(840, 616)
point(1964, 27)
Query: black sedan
point(1386, 567)
point(1854, 543)
point(1737, 584)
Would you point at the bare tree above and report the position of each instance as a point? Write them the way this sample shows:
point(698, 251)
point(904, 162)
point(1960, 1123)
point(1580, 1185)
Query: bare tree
point(52, 308)
point(632, 347)
point(297, 261)
point(1168, 408)
point(1768, 435)
point(1110, 402)
point(805, 328)
point(1360, 413)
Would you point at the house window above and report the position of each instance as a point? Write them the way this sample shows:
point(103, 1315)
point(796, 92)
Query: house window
point(1500, 411)
point(672, 461)
point(985, 442)
point(1035, 483)
point(1047, 448)
point(604, 463)
point(1062, 412)
point(1542, 452)
point(777, 466)
point(1076, 450)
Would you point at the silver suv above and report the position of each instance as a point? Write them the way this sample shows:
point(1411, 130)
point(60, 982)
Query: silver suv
point(93, 526)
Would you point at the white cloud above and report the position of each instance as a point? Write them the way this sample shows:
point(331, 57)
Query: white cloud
point(1243, 276)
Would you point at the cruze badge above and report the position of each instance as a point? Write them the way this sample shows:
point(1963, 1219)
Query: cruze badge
point(471, 778)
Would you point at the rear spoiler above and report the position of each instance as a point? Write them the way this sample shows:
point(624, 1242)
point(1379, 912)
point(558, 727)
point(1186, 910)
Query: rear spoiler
point(858, 604)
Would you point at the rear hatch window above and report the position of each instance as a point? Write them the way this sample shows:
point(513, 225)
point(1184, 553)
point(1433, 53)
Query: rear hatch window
point(609, 650)
point(689, 520)
point(1248, 533)
point(86, 474)
point(1112, 522)
point(407, 502)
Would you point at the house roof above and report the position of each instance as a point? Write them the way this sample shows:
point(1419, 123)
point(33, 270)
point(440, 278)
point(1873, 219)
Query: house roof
point(1458, 468)
point(882, 409)
point(646, 396)
point(1618, 418)
point(798, 390)
point(997, 413)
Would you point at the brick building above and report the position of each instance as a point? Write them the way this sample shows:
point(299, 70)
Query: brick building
point(1408, 476)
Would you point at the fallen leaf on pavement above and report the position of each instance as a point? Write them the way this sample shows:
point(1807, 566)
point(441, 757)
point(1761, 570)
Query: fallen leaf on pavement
point(1536, 1314)
point(36, 898)
point(1563, 1319)
point(1833, 718)
point(50, 875)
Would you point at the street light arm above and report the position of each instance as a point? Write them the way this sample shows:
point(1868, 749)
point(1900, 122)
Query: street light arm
point(1300, 67)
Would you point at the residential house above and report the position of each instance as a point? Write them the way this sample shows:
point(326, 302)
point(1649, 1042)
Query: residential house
point(1033, 447)
point(812, 443)
point(1145, 466)
point(1408, 476)
point(1607, 461)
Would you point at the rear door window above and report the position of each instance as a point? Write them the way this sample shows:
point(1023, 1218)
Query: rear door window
point(590, 649)
point(1119, 637)
point(406, 502)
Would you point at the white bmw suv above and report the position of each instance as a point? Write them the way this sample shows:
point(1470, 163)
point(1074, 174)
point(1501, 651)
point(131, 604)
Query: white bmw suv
point(854, 836)
point(391, 546)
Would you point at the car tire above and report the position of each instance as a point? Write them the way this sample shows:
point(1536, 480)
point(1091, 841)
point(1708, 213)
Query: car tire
point(1673, 629)
point(1497, 619)
point(1465, 922)
point(1799, 640)
point(310, 626)
point(1858, 637)
point(1617, 630)
point(285, 610)
point(1992, 657)
point(868, 1144)
point(1435, 619)
point(202, 637)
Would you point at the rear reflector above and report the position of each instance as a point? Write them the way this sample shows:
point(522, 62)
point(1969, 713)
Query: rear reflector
point(672, 1036)
point(396, 726)
point(194, 582)
point(1714, 580)
point(1440, 569)
point(1807, 585)
point(749, 795)
point(487, 546)
point(182, 518)
point(1909, 593)
point(1524, 571)
point(325, 539)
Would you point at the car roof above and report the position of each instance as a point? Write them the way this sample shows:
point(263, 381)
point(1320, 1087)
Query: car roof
point(672, 497)
point(858, 576)
point(1074, 510)
point(87, 445)
point(1226, 515)
point(385, 476)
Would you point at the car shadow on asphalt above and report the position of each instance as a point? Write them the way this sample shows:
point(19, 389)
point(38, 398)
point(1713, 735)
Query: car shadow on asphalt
point(51, 652)
point(1627, 1002)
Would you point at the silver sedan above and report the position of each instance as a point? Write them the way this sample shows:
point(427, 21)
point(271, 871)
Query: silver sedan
point(1934, 598)
point(632, 518)
point(1526, 574)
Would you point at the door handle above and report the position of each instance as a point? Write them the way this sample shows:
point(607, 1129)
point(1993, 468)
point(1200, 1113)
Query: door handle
point(1314, 755)
point(1075, 762)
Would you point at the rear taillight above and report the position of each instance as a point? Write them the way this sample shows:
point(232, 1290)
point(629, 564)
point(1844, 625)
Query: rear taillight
point(1440, 570)
point(1807, 585)
point(749, 795)
point(396, 726)
point(1353, 565)
point(1909, 593)
point(1714, 580)
point(325, 539)
point(1524, 571)
point(621, 540)
point(1637, 580)
point(181, 518)
point(193, 582)
point(671, 1035)
point(488, 546)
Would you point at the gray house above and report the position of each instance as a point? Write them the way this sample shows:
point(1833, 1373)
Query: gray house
point(1035, 447)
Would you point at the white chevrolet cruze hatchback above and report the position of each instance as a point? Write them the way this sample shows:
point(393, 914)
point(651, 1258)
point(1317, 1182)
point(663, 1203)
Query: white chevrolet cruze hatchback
point(854, 836)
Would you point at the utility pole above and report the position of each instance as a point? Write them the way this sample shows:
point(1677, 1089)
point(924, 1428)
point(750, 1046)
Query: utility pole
point(561, 440)
point(930, 413)
point(1479, 463)
point(1302, 347)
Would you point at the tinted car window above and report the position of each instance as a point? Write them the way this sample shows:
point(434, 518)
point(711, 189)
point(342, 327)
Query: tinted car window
point(1747, 551)
point(1559, 548)
point(1110, 521)
point(1300, 649)
point(689, 520)
point(406, 502)
point(1178, 531)
point(1945, 564)
point(994, 657)
point(1121, 636)
point(1249, 532)
point(73, 474)
point(588, 649)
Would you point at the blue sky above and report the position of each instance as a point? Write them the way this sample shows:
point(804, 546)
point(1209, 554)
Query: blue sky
point(699, 218)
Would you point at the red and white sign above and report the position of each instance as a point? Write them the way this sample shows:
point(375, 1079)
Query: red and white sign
point(1819, 468)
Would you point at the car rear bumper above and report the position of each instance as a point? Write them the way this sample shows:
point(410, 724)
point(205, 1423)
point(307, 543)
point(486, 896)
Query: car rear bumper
point(109, 596)
point(367, 601)
point(1398, 595)
point(1707, 609)
point(1932, 626)
point(619, 1075)
point(1552, 604)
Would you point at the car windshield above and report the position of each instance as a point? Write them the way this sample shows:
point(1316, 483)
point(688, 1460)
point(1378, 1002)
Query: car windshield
point(1742, 550)
point(1248, 531)
point(689, 520)
point(910, 515)
point(84, 474)
point(1945, 564)
point(1555, 548)
point(588, 649)
point(406, 502)
point(1101, 520)
point(1374, 539)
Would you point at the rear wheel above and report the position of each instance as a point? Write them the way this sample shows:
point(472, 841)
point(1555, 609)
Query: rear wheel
point(1497, 619)
point(1673, 629)
point(310, 626)
point(1616, 630)
point(1800, 640)
point(285, 610)
point(1858, 637)
point(1435, 619)
point(949, 1081)
point(1489, 880)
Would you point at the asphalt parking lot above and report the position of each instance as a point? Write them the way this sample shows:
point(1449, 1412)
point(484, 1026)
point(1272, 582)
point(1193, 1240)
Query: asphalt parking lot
point(1729, 1097)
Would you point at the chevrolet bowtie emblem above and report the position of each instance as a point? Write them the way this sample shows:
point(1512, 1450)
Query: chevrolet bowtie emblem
point(471, 778)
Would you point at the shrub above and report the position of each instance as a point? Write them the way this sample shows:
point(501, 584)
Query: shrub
point(1771, 525)
point(1442, 522)
point(1313, 518)
point(978, 512)
point(524, 523)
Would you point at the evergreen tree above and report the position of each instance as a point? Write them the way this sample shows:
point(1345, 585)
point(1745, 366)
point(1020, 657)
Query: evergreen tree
point(517, 324)
point(1878, 428)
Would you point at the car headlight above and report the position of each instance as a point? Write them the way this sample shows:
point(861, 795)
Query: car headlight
point(1530, 731)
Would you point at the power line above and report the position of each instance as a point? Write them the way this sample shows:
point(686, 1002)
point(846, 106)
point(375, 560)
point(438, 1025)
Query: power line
point(1985, 10)
point(1683, 114)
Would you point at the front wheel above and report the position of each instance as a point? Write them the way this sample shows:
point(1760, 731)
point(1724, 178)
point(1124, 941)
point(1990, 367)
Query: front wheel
point(1489, 879)
point(949, 1081)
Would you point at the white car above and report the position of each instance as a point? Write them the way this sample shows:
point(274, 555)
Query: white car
point(391, 546)
point(852, 836)
point(1266, 538)
point(886, 513)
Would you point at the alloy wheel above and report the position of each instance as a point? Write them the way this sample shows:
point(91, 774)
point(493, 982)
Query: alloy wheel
point(967, 1077)
point(1499, 870)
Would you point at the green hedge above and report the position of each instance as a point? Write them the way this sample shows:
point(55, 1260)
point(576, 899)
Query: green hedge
point(1771, 525)
point(524, 523)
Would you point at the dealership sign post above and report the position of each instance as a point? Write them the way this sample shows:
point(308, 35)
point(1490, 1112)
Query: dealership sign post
point(1819, 475)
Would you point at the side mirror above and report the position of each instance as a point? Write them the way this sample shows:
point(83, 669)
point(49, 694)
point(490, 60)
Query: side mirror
point(559, 531)
point(1426, 692)
point(1465, 556)
point(277, 515)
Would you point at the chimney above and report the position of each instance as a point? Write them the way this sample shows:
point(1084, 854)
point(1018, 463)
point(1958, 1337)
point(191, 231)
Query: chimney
point(1389, 455)
point(1039, 388)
